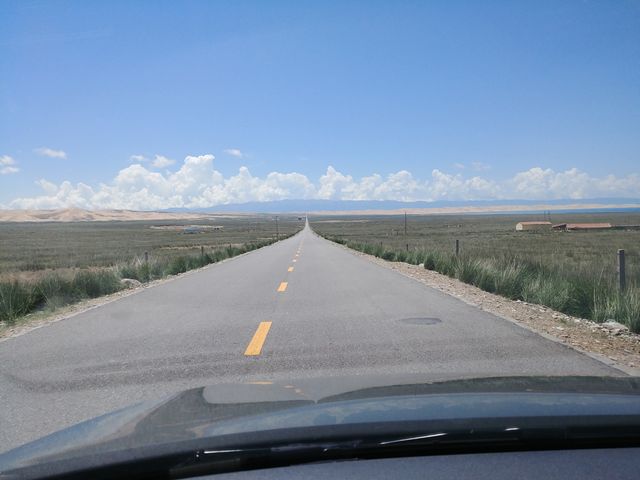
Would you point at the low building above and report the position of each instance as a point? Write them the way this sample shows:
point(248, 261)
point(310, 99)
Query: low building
point(524, 226)
point(581, 226)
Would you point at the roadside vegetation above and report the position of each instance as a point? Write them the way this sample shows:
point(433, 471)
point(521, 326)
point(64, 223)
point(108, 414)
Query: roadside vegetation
point(25, 289)
point(571, 272)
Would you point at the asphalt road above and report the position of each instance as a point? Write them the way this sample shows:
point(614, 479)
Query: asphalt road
point(300, 308)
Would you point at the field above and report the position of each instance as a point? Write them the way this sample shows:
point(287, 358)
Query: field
point(574, 272)
point(28, 247)
point(47, 265)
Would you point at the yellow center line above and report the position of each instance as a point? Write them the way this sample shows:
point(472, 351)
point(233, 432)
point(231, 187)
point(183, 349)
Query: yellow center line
point(283, 286)
point(290, 269)
point(255, 345)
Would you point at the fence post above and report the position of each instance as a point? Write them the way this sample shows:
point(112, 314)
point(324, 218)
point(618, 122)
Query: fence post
point(146, 257)
point(201, 251)
point(457, 247)
point(621, 271)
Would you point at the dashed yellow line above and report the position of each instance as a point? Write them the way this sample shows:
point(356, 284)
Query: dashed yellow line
point(255, 345)
point(290, 269)
point(283, 286)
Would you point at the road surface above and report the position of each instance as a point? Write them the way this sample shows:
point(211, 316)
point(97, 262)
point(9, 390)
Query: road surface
point(303, 307)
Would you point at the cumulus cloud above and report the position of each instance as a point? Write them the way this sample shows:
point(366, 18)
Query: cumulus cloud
point(138, 159)
point(195, 183)
point(50, 152)
point(7, 165)
point(162, 162)
point(538, 183)
point(234, 152)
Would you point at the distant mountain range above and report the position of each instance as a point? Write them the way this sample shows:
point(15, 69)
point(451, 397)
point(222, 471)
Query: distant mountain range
point(302, 206)
point(329, 207)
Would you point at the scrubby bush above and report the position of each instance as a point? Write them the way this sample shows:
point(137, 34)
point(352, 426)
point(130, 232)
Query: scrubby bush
point(16, 299)
point(91, 284)
point(389, 255)
point(401, 256)
point(54, 291)
point(177, 265)
point(378, 251)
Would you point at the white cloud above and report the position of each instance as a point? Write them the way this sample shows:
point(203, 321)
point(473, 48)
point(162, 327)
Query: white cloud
point(234, 152)
point(479, 166)
point(162, 162)
point(196, 184)
point(50, 152)
point(7, 160)
point(538, 183)
point(7, 165)
point(459, 166)
point(138, 159)
point(444, 186)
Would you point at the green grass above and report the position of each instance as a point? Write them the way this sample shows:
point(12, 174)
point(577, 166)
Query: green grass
point(571, 272)
point(36, 247)
point(47, 266)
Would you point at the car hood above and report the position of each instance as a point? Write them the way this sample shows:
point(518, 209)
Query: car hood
point(224, 414)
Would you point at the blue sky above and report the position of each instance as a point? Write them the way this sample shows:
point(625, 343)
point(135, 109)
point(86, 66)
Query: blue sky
point(442, 100)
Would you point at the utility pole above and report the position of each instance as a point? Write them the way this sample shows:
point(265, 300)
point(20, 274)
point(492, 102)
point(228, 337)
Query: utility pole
point(277, 230)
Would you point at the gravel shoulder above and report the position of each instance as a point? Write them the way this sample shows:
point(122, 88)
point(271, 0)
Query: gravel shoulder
point(612, 344)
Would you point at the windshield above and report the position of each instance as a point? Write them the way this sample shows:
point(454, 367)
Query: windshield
point(296, 197)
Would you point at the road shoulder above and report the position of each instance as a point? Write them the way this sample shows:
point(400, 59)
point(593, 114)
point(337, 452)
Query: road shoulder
point(615, 347)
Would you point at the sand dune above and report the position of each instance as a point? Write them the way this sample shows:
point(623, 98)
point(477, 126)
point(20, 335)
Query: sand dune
point(80, 215)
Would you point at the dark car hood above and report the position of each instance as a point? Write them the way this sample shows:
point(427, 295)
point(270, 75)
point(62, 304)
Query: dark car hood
point(223, 414)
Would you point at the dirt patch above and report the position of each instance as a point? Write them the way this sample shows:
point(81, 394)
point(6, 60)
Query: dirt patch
point(611, 344)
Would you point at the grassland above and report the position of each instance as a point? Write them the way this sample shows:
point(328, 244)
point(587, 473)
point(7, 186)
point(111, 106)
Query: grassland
point(573, 272)
point(47, 265)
